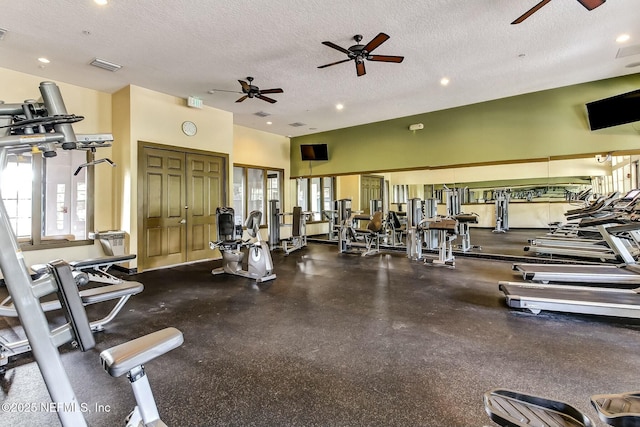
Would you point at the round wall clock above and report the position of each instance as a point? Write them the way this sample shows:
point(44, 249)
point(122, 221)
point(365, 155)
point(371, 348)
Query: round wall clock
point(189, 128)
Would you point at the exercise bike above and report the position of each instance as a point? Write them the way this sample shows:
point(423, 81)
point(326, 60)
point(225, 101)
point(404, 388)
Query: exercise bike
point(230, 243)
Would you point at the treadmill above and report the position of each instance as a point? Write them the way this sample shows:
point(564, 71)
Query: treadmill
point(626, 274)
point(572, 299)
point(596, 274)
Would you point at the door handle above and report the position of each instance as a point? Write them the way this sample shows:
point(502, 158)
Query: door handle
point(183, 221)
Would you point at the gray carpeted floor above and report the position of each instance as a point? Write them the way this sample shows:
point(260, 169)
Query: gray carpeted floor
point(340, 340)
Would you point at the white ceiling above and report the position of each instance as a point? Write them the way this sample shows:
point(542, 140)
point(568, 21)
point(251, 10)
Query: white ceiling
point(187, 47)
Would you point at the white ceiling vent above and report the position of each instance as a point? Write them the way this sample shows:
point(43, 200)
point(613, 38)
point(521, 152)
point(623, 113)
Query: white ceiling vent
point(105, 65)
point(3, 32)
point(261, 114)
point(628, 51)
point(296, 124)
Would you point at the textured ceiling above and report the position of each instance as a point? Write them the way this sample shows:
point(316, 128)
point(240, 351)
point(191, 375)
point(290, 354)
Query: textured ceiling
point(187, 47)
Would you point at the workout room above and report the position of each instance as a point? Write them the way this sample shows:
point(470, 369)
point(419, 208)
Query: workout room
point(279, 215)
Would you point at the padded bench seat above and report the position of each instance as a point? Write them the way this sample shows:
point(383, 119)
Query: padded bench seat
point(101, 261)
point(122, 358)
point(109, 292)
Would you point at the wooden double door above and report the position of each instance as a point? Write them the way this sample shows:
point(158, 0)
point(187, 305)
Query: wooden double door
point(180, 193)
point(371, 188)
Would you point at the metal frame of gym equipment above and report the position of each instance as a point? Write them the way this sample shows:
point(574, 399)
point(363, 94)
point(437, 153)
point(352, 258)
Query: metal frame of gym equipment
point(600, 247)
point(363, 241)
point(627, 273)
point(454, 210)
point(447, 229)
point(47, 126)
point(509, 408)
point(259, 262)
point(298, 225)
point(611, 248)
point(502, 197)
point(120, 292)
point(415, 236)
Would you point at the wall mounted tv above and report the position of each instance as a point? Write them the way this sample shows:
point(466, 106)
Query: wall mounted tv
point(314, 152)
point(617, 110)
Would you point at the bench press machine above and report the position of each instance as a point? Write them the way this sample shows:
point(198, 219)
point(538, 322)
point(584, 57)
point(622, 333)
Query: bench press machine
point(47, 126)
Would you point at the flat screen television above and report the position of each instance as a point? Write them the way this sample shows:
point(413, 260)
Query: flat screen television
point(314, 152)
point(617, 110)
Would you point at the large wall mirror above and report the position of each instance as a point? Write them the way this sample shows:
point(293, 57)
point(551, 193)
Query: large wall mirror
point(540, 191)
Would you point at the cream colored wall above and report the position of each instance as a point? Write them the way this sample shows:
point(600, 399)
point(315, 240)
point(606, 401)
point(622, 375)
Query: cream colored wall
point(148, 116)
point(95, 106)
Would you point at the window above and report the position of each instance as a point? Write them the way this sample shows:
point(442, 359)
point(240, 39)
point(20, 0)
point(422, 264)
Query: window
point(46, 204)
point(253, 187)
point(316, 195)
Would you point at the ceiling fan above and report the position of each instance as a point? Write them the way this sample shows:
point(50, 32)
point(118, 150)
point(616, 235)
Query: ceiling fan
point(589, 4)
point(251, 91)
point(359, 53)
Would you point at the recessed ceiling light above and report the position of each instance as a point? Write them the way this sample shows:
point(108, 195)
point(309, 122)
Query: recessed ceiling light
point(101, 2)
point(339, 106)
point(269, 123)
point(444, 81)
point(622, 38)
point(43, 60)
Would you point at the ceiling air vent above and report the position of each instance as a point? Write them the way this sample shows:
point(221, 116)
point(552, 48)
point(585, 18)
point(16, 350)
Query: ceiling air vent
point(628, 51)
point(261, 114)
point(296, 124)
point(3, 32)
point(105, 65)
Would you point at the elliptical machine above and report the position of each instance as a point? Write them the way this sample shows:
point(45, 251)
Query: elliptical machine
point(259, 262)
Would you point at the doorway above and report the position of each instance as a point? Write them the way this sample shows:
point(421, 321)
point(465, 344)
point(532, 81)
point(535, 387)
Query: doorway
point(370, 189)
point(179, 193)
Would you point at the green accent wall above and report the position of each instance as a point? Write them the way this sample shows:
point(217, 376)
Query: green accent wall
point(537, 125)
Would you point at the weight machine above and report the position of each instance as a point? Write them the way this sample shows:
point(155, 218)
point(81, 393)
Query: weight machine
point(47, 126)
point(502, 210)
point(454, 210)
point(352, 239)
point(298, 238)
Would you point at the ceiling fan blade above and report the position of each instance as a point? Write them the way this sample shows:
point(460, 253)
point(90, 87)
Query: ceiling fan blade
point(245, 86)
point(335, 46)
point(278, 90)
point(592, 4)
point(334, 63)
point(530, 12)
point(377, 41)
point(385, 58)
point(266, 98)
point(360, 68)
point(242, 98)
